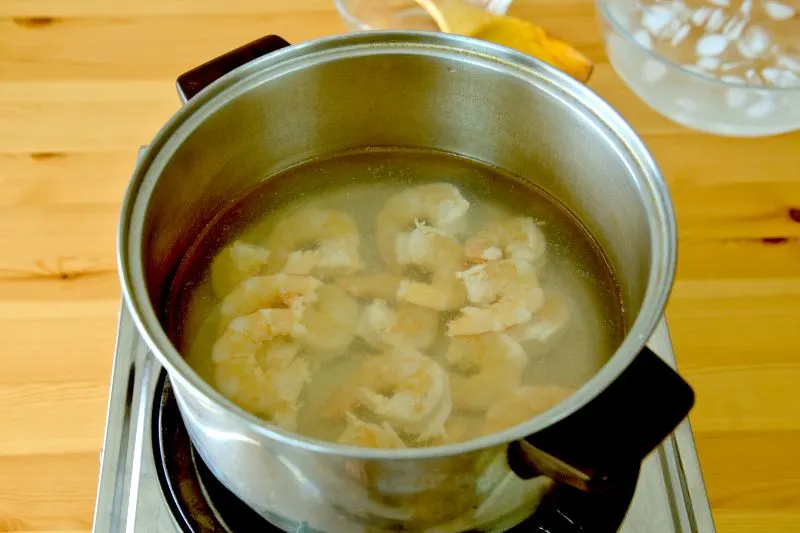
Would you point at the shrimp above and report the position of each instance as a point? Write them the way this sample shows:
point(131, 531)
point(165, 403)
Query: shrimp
point(331, 321)
point(383, 326)
point(375, 286)
point(300, 262)
point(234, 264)
point(458, 428)
point(548, 321)
point(329, 238)
point(440, 205)
point(436, 252)
point(511, 238)
point(265, 292)
point(522, 404)
point(417, 388)
point(487, 366)
point(505, 292)
point(255, 364)
point(360, 433)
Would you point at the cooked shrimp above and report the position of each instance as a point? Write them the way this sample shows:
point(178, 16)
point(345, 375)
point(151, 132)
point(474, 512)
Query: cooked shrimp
point(385, 326)
point(266, 292)
point(255, 364)
point(369, 287)
point(440, 205)
point(458, 428)
point(331, 321)
point(548, 321)
point(487, 366)
point(511, 238)
point(438, 253)
point(506, 293)
point(329, 237)
point(300, 262)
point(360, 433)
point(521, 405)
point(417, 392)
point(234, 264)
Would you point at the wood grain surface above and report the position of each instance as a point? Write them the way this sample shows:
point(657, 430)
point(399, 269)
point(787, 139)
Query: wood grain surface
point(84, 83)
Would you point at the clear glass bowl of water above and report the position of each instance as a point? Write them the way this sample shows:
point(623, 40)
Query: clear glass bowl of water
point(361, 15)
point(728, 67)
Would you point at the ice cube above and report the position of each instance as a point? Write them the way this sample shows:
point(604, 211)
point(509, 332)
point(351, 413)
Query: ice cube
point(752, 77)
point(680, 35)
point(779, 77)
point(760, 109)
point(653, 71)
point(746, 7)
point(708, 63)
point(656, 18)
point(778, 10)
point(721, 3)
point(789, 62)
point(715, 20)
point(754, 42)
point(734, 28)
point(735, 97)
point(700, 16)
point(711, 45)
point(643, 38)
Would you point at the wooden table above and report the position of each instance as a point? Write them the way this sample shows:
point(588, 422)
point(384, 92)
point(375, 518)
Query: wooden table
point(84, 83)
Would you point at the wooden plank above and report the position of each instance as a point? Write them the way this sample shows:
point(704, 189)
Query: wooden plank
point(749, 471)
point(66, 417)
point(746, 398)
point(134, 48)
point(122, 8)
point(67, 240)
point(104, 116)
point(48, 492)
point(49, 178)
point(756, 521)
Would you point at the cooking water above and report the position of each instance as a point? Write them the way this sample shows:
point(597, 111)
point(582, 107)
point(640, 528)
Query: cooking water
point(419, 304)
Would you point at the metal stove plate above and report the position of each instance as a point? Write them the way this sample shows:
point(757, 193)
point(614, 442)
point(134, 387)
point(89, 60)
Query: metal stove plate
point(670, 496)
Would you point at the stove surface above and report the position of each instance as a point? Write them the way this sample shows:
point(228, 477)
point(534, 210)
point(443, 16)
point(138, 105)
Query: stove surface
point(669, 497)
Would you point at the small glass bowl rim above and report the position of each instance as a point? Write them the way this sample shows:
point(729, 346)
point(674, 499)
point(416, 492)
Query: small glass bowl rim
point(347, 15)
point(602, 7)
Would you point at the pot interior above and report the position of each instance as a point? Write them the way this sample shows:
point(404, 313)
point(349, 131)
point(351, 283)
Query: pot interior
point(530, 125)
point(446, 102)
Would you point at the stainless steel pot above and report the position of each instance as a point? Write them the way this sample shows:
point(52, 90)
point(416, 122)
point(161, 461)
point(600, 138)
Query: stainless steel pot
point(422, 90)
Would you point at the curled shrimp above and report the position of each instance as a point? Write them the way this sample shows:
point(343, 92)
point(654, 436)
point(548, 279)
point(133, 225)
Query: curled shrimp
point(255, 364)
point(440, 205)
point(266, 292)
point(505, 293)
point(486, 367)
point(409, 390)
point(331, 320)
point(522, 404)
point(234, 264)
point(440, 254)
point(328, 239)
point(372, 286)
point(511, 238)
point(384, 326)
point(360, 433)
point(547, 322)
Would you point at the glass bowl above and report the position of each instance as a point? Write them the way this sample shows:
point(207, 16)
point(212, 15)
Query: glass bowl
point(691, 94)
point(361, 15)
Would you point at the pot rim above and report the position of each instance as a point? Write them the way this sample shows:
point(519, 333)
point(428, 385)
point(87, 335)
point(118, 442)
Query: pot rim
point(659, 210)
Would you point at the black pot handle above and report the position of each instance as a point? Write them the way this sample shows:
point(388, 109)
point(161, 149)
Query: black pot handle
point(604, 441)
point(192, 82)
